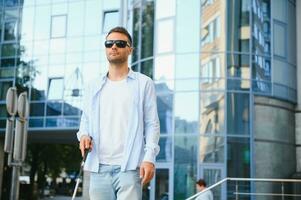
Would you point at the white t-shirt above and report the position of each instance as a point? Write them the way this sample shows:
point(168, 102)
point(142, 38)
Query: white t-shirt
point(115, 101)
point(205, 196)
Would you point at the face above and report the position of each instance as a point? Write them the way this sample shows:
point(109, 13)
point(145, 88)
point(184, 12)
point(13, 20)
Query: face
point(118, 55)
point(199, 188)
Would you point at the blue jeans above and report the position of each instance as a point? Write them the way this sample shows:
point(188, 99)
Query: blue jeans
point(111, 184)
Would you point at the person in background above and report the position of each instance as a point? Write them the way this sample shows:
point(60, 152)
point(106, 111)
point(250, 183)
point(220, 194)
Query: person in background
point(201, 185)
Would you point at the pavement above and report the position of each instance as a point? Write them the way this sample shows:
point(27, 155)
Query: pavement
point(61, 198)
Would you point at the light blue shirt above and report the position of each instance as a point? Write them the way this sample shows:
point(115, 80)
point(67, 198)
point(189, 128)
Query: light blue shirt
point(143, 132)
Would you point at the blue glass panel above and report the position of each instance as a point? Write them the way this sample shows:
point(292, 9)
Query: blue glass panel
point(165, 154)
point(185, 166)
point(238, 114)
point(36, 122)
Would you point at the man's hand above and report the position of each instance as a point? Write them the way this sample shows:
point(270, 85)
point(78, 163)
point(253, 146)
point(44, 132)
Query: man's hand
point(147, 171)
point(85, 143)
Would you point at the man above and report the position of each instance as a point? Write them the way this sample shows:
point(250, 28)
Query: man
point(119, 126)
point(201, 185)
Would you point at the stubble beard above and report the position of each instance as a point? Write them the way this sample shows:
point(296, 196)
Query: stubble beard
point(117, 61)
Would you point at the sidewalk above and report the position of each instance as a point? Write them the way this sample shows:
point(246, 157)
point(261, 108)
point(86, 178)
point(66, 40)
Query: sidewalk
point(61, 198)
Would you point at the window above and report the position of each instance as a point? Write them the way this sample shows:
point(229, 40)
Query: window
point(10, 31)
point(58, 26)
point(55, 88)
point(165, 8)
point(280, 39)
point(165, 36)
point(110, 20)
point(206, 3)
point(3, 88)
point(11, 3)
point(9, 50)
point(211, 70)
point(211, 31)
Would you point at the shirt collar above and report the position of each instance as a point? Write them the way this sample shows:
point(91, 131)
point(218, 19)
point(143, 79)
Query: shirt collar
point(104, 77)
point(131, 75)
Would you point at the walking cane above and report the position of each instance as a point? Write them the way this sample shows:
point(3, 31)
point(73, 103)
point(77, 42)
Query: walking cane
point(80, 172)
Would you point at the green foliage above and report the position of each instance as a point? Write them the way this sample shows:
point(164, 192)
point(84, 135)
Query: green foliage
point(48, 160)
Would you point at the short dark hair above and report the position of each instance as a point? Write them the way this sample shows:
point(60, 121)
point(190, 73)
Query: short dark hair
point(201, 182)
point(121, 30)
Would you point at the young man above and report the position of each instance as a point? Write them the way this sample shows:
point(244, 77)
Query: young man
point(120, 114)
point(201, 185)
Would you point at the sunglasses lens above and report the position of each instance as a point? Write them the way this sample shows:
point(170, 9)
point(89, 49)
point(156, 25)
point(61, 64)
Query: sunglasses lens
point(109, 43)
point(119, 43)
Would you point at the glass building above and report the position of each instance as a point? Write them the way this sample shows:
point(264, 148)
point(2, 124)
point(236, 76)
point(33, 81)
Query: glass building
point(225, 74)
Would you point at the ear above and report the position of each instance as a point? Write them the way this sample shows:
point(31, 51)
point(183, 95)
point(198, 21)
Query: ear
point(130, 50)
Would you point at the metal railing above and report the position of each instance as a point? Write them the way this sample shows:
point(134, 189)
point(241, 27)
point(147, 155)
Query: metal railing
point(237, 193)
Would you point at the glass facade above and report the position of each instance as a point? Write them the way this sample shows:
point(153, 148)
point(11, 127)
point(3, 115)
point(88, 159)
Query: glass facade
point(206, 73)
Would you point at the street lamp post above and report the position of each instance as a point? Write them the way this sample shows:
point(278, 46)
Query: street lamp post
point(16, 138)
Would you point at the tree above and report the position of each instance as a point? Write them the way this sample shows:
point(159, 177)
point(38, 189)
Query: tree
point(49, 160)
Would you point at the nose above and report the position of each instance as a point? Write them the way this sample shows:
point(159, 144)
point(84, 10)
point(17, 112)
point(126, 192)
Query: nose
point(114, 45)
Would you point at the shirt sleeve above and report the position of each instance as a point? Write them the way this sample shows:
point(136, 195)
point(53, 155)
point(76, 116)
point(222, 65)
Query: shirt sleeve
point(151, 123)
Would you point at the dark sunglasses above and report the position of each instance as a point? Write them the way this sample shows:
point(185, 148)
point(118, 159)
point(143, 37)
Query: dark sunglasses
point(119, 43)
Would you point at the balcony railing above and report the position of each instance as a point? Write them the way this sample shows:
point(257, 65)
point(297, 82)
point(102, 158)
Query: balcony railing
point(238, 193)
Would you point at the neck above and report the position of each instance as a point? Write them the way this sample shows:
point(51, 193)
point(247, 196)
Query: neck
point(118, 72)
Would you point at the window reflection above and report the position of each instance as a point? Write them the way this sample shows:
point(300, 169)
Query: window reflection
point(58, 26)
point(165, 154)
point(136, 33)
point(238, 66)
point(42, 23)
point(55, 88)
point(211, 149)
point(238, 163)
point(11, 3)
point(69, 109)
point(238, 25)
point(62, 122)
point(76, 16)
point(164, 68)
point(261, 26)
point(36, 122)
point(162, 184)
point(186, 112)
point(238, 71)
point(54, 108)
point(211, 31)
point(211, 71)
point(205, 3)
point(11, 13)
point(147, 68)
point(185, 165)
point(261, 74)
point(7, 72)
point(3, 112)
point(4, 85)
point(9, 50)
point(7, 62)
point(280, 40)
point(165, 108)
point(147, 32)
point(37, 109)
point(238, 114)
point(110, 20)
point(165, 8)
point(212, 113)
point(10, 30)
point(165, 36)
point(143, 36)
